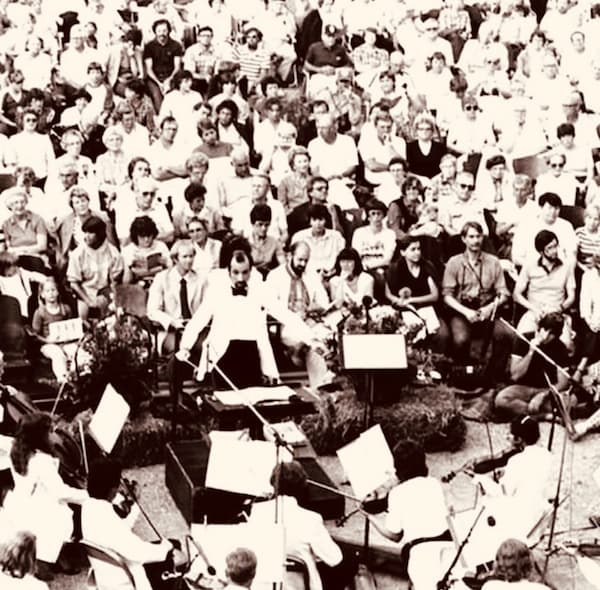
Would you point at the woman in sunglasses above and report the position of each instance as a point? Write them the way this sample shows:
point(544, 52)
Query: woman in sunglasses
point(471, 132)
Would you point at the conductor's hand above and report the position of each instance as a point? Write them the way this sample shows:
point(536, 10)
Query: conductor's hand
point(183, 355)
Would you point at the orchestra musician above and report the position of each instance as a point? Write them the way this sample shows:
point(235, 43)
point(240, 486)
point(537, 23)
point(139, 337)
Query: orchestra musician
point(240, 569)
point(17, 560)
point(39, 500)
point(101, 525)
point(513, 568)
point(306, 537)
point(416, 515)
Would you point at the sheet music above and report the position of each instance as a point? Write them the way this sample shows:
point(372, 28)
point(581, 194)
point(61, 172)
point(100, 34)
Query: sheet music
point(254, 395)
point(66, 330)
point(367, 461)
point(267, 541)
point(427, 314)
point(242, 467)
point(109, 418)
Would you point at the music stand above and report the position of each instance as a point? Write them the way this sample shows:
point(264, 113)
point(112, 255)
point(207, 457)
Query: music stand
point(367, 354)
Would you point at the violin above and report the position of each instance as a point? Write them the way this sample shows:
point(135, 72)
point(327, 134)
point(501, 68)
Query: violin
point(485, 463)
point(125, 500)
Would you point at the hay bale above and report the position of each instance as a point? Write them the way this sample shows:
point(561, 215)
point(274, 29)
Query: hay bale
point(428, 414)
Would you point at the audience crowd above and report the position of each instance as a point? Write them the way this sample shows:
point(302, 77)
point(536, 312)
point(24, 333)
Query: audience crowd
point(440, 155)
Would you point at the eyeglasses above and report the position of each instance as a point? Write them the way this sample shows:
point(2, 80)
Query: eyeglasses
point(557, 164)
point(470, 107)
point(29, 119)
point(431, 29)
point(469, 187)
point(148, 193)
point(196, 231)
point(319, 188)
point(423, 128)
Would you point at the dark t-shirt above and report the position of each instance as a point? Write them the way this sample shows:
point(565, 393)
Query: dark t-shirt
point(398, 277)
point(534, 377)
point(163, 57)
point(318, 55)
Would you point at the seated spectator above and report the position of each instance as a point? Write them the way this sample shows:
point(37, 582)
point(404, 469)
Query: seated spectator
point(12, 97)
point(292, 190)
point(322, 59)
point(391, 188)
point(493, 183)
point(252, 56)
point(19, 152)
point(111, 166)
point(403, 213)
point(195, 197)
point(240, 210)
point(265, 133)
point(375, 244)
point(52, 309)
point(380, 150)
point(136, 100)
point(37, 202)
point(350, 284)
point(200, 58)
point(325, 244)
point(267, 251)
point(474, 288)
point(69, 233)
point(238, 184)
point(208, 250)
point(588, 237)
point(529, 394)
point(231, 93)
point(18, 559)
point(136, 137)
point(545, 285)
point(212, 146)
point(463, 207)
point(556, 180)
point(424, 154)
point(230, 129)
point(369, 60)
point(578, 157)
point(523, 247)
point(277, 163)
point(18, 282)
point(144, 256)
point(125, 62)
point(93, 268)
point(24, 231)
point(303, 293)
point(344, 103)
point(145, 204)
point(175, 294)
point(179, 102)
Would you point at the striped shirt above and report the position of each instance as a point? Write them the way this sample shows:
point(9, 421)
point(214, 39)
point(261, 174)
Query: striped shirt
point(587, 244)
point(252, 63)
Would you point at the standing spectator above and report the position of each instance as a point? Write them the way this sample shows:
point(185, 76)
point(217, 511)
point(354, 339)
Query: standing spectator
point(94, 267)
point(162, 59)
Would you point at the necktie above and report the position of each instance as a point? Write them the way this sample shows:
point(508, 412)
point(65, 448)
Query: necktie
point(241, 290)
point(186, 314)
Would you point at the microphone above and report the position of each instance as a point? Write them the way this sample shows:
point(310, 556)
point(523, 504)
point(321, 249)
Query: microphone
point(367, 301)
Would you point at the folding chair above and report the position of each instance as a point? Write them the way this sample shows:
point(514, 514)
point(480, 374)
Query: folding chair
point(96, 553)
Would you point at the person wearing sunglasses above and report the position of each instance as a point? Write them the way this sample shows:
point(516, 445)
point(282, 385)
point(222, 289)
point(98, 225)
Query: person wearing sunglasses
point(471, 132)
point(556, 180)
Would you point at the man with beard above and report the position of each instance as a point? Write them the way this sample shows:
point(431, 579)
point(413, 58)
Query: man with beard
point(94, 266)
point(303, 293)
point(162, 58)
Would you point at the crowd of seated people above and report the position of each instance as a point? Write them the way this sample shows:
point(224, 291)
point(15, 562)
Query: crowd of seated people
point(442, 156)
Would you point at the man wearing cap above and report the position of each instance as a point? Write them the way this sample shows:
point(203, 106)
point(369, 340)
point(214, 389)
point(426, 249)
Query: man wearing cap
point(254, 61)
point(322, 60)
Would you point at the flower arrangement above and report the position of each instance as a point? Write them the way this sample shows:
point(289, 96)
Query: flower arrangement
point(117, 350)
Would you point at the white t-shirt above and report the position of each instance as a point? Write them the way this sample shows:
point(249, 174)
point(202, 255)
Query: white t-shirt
point(332, 159)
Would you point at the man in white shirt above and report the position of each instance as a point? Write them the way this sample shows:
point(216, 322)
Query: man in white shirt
point(75, 60)
point(102, 526)
point(136, 137)
point(175, 294)
point(239, 183)
point(334, 157)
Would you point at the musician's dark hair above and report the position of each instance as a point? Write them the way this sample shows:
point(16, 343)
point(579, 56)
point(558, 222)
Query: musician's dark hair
point(133, 162)
point(7, 260)
point(193, 191)
point(513, 561)
point(290, 479)
point(104, 478)
point(241, 566)
point(33, 434)
point(553, 322)
point(142, 226)
point(349, 254)
point(17, 554)
point(407, 240)
point(161, 21)
point(525, 428)
point(319, 211)
point(313, 180)
point(409, 460)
